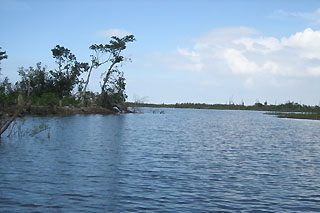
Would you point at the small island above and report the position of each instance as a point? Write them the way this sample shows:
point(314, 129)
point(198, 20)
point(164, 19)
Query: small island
point(63, 91)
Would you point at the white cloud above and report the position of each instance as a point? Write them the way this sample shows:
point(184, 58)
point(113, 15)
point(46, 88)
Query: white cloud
point(306, 39)
point(222, 36)
point(307, 42)
point(262, 45)
point(113, 32)
point(315, 71)
point(207, 52)
point(239, 63)
point(193, 60)
point(244, 51)
point(244, 61)
point(271, 66)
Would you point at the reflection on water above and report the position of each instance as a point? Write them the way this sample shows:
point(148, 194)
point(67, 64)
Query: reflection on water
point(181, 161)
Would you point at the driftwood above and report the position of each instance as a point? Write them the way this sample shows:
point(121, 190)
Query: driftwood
point(7, 123)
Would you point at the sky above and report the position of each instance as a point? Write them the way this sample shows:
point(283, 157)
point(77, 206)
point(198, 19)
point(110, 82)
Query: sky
point(199, 51)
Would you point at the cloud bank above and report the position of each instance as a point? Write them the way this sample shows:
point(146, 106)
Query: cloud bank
point(244, 51)
point(242, 61)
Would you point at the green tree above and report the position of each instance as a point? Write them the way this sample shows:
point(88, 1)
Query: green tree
point(113, 86)
point(5, 85)
point(112, 53)
point(35, 80)
point(115, 48)
point(66, 77)
point(7, 93)
point(2, 56)
point(115, 91)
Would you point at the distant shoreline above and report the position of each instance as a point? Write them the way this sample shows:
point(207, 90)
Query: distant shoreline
point(308, 116)
point(288, 110)
point(287, 107)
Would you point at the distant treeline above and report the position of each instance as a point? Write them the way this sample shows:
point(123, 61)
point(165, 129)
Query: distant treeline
point(286, 107)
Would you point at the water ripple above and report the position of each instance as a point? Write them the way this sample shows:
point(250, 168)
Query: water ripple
point(180, 161)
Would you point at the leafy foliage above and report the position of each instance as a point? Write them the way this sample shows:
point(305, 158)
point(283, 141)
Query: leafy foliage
point(115, 91)
point(49, 87)
point(70, 100)
point(45, 99)
point(66, 77)
point(8, 95)
point(35, 81)
point(2, 56)
point(113, 49)
point(113, 86)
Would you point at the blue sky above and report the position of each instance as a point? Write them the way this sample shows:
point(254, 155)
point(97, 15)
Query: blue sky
point(186, 51)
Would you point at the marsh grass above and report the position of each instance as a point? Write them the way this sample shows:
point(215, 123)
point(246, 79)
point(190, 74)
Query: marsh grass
point(310, 116)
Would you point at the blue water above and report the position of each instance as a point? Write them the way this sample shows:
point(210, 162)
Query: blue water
point(182, 161)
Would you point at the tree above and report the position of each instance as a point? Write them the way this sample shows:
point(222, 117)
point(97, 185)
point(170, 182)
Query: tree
point(115, 48)
point(113, 51)
point(114, 93)
point(5, 85)
point(2, 56)
point(7, 93)
point(66, 77)
point(94, 64)
point(35, 80)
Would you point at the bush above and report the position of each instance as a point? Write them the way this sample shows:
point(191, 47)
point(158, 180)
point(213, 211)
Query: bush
point(70, 100)
point(45, 99)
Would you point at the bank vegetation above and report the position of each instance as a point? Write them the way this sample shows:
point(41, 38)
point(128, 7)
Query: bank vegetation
point(64, 89)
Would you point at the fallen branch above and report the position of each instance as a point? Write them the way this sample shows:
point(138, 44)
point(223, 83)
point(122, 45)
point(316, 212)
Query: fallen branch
point(6, 124)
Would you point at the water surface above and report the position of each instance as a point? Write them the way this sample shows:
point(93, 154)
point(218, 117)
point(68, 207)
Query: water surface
point(182, 161)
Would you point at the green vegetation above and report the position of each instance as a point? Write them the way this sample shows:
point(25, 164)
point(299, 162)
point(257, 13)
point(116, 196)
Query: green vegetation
point(43, 91)
point(3, 55)
point(64, 86)
point(287, 107)
point(310, 116)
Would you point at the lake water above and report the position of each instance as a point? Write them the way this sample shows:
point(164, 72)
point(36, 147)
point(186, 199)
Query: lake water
point(184, 160)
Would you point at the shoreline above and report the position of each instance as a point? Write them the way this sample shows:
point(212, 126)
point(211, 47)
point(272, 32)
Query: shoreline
point(305, 116)
point(56, 111)
point(281, 111)
point(74, 110)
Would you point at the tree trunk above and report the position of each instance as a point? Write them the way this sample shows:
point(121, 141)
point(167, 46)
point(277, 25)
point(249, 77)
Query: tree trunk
point(107, 77)
point(5, 126)
point(87, 82)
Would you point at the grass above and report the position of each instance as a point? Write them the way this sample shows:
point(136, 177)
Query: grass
point(310, 116)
